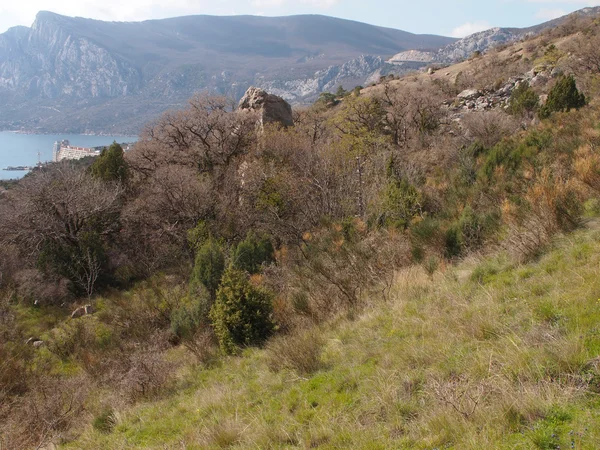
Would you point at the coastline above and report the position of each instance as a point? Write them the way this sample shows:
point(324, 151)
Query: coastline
point(71, 133)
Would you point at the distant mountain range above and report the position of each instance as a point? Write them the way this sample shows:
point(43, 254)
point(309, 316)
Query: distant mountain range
point(69, 74)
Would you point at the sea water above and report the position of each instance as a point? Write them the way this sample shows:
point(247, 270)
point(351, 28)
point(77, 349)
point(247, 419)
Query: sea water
point(19, 149)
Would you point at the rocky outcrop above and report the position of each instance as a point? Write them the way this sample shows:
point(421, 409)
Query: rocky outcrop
point(82, 311)
point(481, 100)
point(270, 108)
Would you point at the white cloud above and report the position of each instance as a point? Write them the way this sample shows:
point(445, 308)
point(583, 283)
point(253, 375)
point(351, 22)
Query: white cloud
point(550, 13)
point(469, 28)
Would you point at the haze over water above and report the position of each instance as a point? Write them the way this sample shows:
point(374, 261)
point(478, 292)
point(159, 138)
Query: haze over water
point(18, 149)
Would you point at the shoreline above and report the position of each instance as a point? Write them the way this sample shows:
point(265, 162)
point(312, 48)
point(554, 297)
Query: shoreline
point(31, 133)
point(47, 133)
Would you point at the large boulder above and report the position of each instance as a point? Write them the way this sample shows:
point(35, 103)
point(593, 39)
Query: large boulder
point(271, 108)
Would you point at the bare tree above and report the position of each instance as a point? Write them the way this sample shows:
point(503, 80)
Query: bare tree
point(206, 135)
point(61, 213)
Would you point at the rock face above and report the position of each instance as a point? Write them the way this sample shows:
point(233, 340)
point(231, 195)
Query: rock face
point(478, 42)
point(271, 108)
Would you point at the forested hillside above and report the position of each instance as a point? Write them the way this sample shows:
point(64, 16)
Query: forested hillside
point(411, 265)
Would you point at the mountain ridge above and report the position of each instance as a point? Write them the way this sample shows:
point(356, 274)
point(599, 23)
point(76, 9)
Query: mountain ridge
point(97, 74)
point(87, 75)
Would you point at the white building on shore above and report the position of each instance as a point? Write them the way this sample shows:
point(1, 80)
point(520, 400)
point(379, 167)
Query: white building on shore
point(64, 150)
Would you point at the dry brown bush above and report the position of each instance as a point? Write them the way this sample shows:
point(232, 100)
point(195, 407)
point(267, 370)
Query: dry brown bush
point(554, 205)
point(490, 127)
point(300, 352)
point(145, 373)
point(39, 289)
point(587, 168)
point(45, 414)
point(332, 273)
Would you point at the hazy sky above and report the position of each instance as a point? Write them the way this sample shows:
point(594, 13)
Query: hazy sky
point(447, 17)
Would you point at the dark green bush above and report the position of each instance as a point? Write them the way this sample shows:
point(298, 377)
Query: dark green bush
point(252, 252)
point(452, 241)
point(241, 314)
point(186, 320)
point(523, 100)
point(208, 268)
point(401, 202)
point(563, 97)
point(111, 164)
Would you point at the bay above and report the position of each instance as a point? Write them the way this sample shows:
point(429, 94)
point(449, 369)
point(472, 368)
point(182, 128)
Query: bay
point(18, 149)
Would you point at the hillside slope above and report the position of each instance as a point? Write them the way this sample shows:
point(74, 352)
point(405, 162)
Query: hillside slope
point(487, 355)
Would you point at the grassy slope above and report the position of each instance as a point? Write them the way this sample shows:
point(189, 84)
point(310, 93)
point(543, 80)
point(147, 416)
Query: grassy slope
point(500, 358)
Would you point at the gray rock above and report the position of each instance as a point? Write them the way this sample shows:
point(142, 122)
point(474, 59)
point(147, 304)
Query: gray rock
point(469, 94)
point(531, 74)
point(271, 108)
point(556, 72)
point(38, 344)
point(538, 80)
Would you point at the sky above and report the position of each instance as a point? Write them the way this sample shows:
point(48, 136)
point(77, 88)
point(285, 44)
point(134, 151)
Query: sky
point(456, 18)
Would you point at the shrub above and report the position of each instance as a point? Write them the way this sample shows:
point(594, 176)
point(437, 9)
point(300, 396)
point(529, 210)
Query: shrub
point(452, 242)
point(252, 252)
point(111, 165)
point(189, 323)
point(563, 97)
point(241, 314)
point(523, 100)
point(208, 268)
point(401, 202)
point(198, 235)
point(186, 320)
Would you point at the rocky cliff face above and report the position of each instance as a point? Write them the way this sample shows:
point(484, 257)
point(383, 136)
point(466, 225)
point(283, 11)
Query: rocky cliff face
point(47, 61)
point(478, 42)
point(356, 72)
